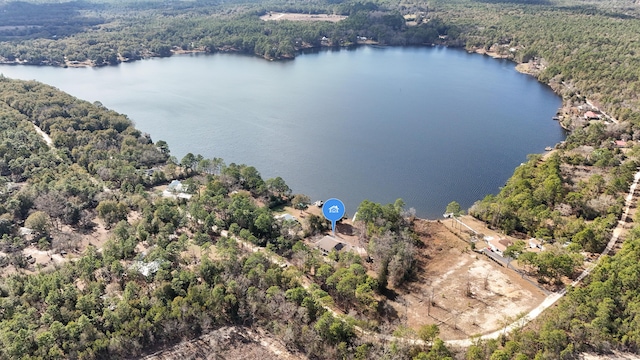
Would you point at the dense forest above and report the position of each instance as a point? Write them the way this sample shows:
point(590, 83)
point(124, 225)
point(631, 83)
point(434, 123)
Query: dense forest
point(99, 170)
point(114, 32)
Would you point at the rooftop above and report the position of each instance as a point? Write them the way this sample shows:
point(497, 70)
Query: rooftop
point(329, 243)
point(286, 217)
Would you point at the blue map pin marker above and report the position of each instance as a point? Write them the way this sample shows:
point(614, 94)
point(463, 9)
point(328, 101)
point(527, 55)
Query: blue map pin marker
point(333, 210)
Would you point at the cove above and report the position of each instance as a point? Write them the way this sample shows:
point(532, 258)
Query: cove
point(428, 125)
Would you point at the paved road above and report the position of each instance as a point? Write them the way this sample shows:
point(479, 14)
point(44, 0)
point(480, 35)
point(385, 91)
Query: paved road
point(496, 257)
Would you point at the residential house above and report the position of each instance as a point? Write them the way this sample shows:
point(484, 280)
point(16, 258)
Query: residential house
point(499, 246)
point(176, 190)
point(27, 234)
point(285, 217)
point(144, 268)
point(150, 172)
point(328, 244)
point(590, 115)
point(621, 143)
point(176, 186)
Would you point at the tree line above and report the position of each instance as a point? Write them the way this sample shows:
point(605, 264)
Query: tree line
point(129, 33)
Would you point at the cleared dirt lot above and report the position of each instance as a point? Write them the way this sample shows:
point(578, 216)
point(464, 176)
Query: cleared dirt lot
point(302, 17)
point(229, 343)
point(470, 294)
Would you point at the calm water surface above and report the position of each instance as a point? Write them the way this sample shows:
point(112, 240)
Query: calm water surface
point(429, 125)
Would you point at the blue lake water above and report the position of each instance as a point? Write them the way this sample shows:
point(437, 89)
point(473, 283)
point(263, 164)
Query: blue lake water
point(428, 125)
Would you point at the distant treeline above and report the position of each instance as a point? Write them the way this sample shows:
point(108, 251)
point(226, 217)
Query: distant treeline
point(128, 32)
point(23, 20)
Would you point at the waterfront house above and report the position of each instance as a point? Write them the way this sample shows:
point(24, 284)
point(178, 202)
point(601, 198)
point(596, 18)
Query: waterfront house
point(328, 244)
point(590, 115)
point(176, 186)
point(176, 190)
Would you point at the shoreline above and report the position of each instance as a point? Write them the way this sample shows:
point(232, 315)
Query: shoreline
point(201, 50)
point(518, 67)
point(533, 67)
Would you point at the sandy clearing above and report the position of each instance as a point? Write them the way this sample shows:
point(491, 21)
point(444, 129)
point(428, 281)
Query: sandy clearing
point(471, 294)
point(230, 342)
point(44, 136)
point(98, 237)
point(301, 17)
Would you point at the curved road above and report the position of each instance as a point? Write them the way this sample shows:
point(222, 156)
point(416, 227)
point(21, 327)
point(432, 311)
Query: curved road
point(553, 298)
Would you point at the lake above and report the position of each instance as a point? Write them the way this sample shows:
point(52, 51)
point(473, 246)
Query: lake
point(428, 125)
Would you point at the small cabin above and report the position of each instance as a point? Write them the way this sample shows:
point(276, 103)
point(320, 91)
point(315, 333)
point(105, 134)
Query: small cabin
point(590, 115)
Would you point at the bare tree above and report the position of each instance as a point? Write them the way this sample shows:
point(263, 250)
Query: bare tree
point(54, 204)
point(65, 241)
point(468, 291)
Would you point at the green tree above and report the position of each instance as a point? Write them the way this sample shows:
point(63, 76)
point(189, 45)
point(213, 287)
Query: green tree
point(317, 224)
point(39, 222)
point(365, 296)
point(189, 162)
point(428, 332)
point(475, 352)
point(453, 208)
point(251, 180)
point(278, 187)
point(300, 201)
point(264, 225)
point(112, 212)
point(439, 350)
point(500, 355)
point(334, 330)
point(514, 251)
point(163, 147)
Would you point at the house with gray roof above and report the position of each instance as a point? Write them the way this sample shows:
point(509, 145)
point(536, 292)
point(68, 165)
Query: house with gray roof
point(328, 244)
